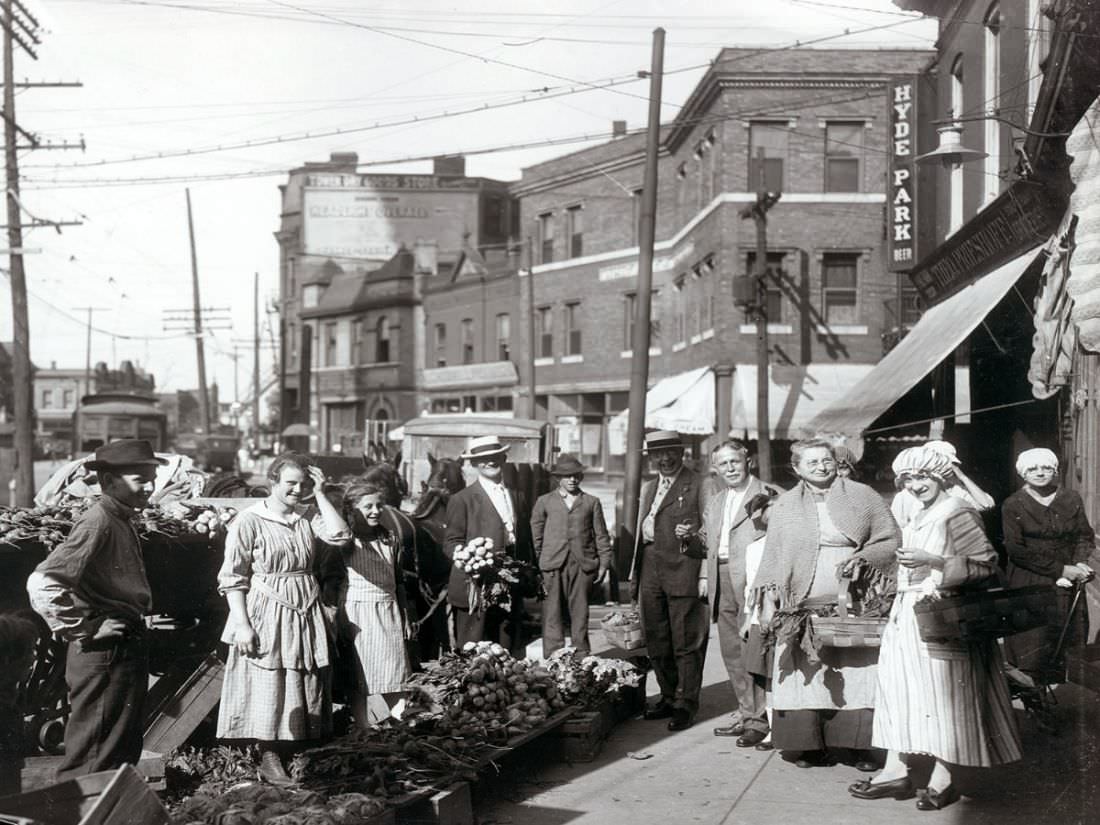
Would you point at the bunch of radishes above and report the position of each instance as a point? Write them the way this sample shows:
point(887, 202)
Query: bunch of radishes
point(475, 556)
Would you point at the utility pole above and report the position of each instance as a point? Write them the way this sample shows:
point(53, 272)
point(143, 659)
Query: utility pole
point(19, 29)
point(532, 351)
point(204, 395)
point(754, 298)
point(639, 365)
point(256, 359)
point(88, 345)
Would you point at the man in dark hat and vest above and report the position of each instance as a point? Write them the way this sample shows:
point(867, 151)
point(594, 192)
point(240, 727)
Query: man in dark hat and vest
point(487, 509)
point(93, 593)
point(664, 579)
point(574, 552)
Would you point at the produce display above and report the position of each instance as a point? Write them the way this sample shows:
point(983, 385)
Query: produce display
point(589, 681)
point(48, 525)
point(628, 618)
point(183, 519)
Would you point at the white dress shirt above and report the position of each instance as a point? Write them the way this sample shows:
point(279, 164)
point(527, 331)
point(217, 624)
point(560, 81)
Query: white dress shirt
point(730, 517)
point(502, 501)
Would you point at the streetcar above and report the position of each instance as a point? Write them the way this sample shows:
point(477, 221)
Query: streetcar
point(110, 416)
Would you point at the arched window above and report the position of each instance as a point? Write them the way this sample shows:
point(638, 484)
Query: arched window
point(991, 90)
point(955, 181)
point(382, 350)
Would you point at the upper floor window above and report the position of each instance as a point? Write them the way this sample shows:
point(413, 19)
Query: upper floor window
point(68, 398)
point(1038, 45)
point(992, 92)
point(839, 288)
point(358, 345)
point(705, 275)
point(504, 336)
point(572, 328)
point(467, 340)
point(441, 345)
point(546, 237)
point(771, 137)
point(47, 399)
point(330, 344)
point(382, 345)
point(311, 295)
point(291, 343)
point(545, 320)
point(843, 156)
point(630, 317)
point(574, 216)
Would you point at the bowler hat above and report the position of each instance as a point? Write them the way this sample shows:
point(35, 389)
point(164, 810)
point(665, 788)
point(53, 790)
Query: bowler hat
point(660, 439)
point(483, 446)
point(567, 465)
point(130, 452)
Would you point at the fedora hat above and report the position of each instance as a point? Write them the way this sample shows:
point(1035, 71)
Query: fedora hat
point(660, 439)
point(130, 452)
point(567, 465)
point(484, 445)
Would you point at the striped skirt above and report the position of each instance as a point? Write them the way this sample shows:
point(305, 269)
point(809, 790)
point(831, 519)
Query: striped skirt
point(950, 703)
point(273, 704)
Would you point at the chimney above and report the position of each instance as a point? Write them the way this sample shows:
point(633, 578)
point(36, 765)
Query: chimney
point(348, 159)
point(449, 166)
point(618, 128)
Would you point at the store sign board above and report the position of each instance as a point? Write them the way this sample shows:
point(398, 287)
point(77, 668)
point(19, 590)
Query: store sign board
point(373, 223)
point(901, 235)
point(1022, 216)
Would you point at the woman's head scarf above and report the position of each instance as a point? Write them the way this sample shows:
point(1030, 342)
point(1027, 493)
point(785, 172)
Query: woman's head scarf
point(923, 460)
point(1037, 457)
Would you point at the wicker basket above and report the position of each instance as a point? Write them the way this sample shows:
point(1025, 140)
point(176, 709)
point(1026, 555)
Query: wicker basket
point(985, 614)
point(844, 630)
point(624, 636)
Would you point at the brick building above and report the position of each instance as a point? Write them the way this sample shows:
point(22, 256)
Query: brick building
point(822, 120)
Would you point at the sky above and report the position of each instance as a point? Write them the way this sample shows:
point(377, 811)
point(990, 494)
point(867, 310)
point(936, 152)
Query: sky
point(174, 90)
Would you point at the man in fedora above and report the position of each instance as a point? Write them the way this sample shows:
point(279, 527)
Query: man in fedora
point(664, 579)
point(574, 552)
point(93, 593)
point(487, 509)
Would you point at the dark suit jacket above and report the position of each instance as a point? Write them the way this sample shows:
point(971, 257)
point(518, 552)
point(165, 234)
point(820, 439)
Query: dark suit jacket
point(470, 514)
point(742, 534)
point(558, 532)
point(677, 572)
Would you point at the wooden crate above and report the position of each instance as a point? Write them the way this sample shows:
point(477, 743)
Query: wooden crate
point(107, 798)
point(581, 738)
point(451, 806)
point(176, 719)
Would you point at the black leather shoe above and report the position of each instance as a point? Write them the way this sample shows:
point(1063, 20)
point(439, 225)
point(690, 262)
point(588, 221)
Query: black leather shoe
point(272, 770)
point(681, 720)
point(765, 746)
point(815, 759)
point(930, 800)
point(735, 729)
point(751, 738)
point(661, 710)
point(896, 789)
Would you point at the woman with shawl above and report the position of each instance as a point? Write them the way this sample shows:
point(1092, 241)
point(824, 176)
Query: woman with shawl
point(1049, 540)
point(946, 700)
point(821, 530)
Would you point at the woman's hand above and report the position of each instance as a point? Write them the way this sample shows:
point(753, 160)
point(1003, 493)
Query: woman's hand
point(317, 476)
point(246, 640)
point(915, 557)
point(1075, 573)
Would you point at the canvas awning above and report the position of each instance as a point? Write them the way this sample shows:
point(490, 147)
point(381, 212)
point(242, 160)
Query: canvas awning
point(938, 333)
point(683, 402)
point(471, 376)
point(796, 393)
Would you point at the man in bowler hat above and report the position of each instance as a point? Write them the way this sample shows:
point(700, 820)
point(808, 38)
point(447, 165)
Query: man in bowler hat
point(664, 580)
point(574, 552)
point(93, 593)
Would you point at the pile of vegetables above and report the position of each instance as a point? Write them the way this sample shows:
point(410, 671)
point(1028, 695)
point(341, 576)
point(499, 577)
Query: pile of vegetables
point(47, 525)
point(589, 681)
point(628, 618)
point(254, 803)
point(183, 519)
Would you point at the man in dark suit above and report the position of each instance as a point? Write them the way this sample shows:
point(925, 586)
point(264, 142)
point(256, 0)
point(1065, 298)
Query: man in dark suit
point(665, 580)
point(727, 531)
point(486, 509)
point(574, 552)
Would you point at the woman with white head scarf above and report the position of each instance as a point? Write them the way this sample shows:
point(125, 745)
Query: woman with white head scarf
point(959, 484)
point(946, 700)
point(1049, 540)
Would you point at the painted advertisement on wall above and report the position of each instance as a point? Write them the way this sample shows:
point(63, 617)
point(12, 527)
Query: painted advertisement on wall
point(371, 217)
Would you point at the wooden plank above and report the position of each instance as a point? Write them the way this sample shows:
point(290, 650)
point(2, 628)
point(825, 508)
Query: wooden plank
point(451, 806)
point(126, 800)
point(64, 803)
point(178, 717)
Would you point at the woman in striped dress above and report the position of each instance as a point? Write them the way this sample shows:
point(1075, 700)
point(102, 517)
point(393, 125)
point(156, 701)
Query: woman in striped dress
point(950, 700)
point(277, 678)
point(373, 606)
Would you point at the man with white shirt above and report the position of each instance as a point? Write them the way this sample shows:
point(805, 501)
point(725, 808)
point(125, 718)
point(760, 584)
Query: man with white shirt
point(487, 509)
point(726, 532)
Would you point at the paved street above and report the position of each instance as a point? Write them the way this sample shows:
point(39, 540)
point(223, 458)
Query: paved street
point(695, 777)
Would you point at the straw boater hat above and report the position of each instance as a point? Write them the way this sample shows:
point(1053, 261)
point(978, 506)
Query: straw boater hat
point(567, 465)
point(484, 445)
point(126, 453)
point(660, 439)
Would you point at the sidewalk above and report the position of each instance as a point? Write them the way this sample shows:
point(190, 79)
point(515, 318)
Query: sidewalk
point(694, 776)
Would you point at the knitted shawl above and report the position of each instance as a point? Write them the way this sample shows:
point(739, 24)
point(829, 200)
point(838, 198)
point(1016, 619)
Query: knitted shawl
point(792, 544)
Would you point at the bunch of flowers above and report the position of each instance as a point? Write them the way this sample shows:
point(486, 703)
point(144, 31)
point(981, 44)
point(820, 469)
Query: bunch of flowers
point(475, 558)
point(493, 579)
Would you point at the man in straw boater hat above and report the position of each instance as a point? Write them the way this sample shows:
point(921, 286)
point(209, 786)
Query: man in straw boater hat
point(93, 593)
point(486, 509)
point(574, 552)
point(664, 579)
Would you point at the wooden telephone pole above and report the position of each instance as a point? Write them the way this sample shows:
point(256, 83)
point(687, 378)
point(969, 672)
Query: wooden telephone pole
point(753, 296)
point(204, 392)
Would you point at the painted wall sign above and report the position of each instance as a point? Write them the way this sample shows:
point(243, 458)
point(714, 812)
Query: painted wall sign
point(901, 235)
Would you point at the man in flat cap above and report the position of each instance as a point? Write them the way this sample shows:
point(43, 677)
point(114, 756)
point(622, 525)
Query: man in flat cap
point(664, 579)
point(93, 593)
point(487, 509)
point(574, 552)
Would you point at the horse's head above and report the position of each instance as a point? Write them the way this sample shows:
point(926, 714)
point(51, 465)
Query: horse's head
point(445, 480)
point(386, 476)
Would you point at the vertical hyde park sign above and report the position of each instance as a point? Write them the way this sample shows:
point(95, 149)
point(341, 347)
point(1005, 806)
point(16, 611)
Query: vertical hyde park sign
point(901, 235)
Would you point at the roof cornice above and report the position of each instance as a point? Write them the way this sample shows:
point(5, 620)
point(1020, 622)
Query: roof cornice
point(635, 158)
